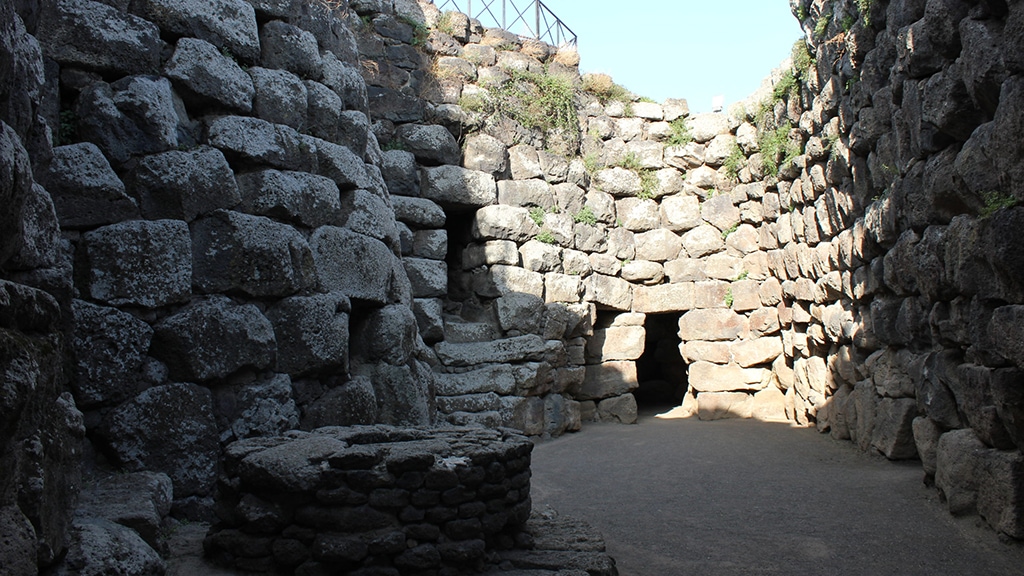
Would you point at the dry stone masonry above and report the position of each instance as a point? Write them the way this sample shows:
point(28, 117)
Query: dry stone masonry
point(238, 225)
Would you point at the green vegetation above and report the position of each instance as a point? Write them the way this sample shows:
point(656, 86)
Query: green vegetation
point(585, 216)
point(821, 26)
point(734, 162)
point(646, 99)
point(864, 7)
point(420, 32)
point(394, 144)
point(801, 13)
point(546, 237)
point(775, 144)
point(648, 184)
point(729, 231)
point(802, 59)
point(592, 163)
point(365, 24)
point(787, 86)
point(538, 101)
point(742, 276)
point(994, 202)
point(473, 103)
point(680, 133)
point(728, 298)
point(630, 162)
point(537, 215)
point(848, 22)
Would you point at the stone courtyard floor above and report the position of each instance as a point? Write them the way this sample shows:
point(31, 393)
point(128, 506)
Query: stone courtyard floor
point(740, 497)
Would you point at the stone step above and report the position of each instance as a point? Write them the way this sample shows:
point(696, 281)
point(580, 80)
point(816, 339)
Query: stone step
point(518, 349)
point(459, 332)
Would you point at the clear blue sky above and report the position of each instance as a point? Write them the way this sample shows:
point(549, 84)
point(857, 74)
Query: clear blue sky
point(691, 49)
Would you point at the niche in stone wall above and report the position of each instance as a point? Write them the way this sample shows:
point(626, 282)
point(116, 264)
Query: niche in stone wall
point(661, 371)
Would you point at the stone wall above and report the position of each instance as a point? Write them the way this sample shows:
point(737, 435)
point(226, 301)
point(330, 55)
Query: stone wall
point(242, 217)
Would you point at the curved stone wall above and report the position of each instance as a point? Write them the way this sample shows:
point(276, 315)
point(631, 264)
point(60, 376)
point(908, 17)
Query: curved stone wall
point(400, 500)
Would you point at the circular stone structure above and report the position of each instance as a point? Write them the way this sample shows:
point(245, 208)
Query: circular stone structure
point(382, 499)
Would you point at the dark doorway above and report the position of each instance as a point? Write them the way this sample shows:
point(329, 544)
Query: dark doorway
point(661, 370)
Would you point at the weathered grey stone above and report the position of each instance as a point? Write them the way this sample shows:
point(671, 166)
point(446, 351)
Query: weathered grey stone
point(99, 546)
point(182, 185)
point(486, 153)
point(974, 397)
point(529, 347)
point(262, 408)
point(39, 243)
point(169, 429)
point(608, 291)
point(429, 319)
point(214, 338)
point(347, 82)
point(133, 116)
point(680, 213)
point(454, 186)
point(893, 434)
point(201, 68)
point(643, 272)
point(758, 351)
point(388, 334)
point(429, 277)
point(345, 167)
point(85, 190)
point(312, 333)
point(498, 379)
point(99, 37)
point(1000, 492)
point(520, 312)
point(524, 162)
point(290, 48)
point(369, 214)
point(501, 222)
point(430, 244)
point(261, 142)
point(325, 109)
point(658, 245)
point(621, 409)
point(703, 240)
point(138, 500)
point(607, 380)
point(404, 394)
point(418, 212)
point(708, 377)
point(957, 465)
point(350, 404)
point(140, 263)
point(713, 325)
point(431, 144)
point(618, 181)
point(15, 185)
point(525, 193)
point(663, 298)
point(229, 23)
point(637, 214)
point(296, 197)
point(281, 97)
point(294, 466)
point(357, 265)
point(724, 405)
point(502, 279)
point(926, 438)
point(110, 346)
point(254, 255)
point(616, 343)
point(400, 173)
point(540, 257)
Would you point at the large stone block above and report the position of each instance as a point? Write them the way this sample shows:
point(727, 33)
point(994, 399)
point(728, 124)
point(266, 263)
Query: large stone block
point(212, 339)
point(429, 277)
point(663, 298)
point(680, 213)
point(235, 252)
point(708, 377)
point(85, 190)
point(262, 408)
point(1001, 492)
point(621, 409)
point(110, 347)
point(498, 378)
point(712, 325)
point(183, 185)
point(312, 333)
point(387, 334)
point(749, 353)
point(133, 116)
point(140, 263)
point(367, 213)
point(228, 23)
point(350, 404)
point(281, 97)
point(724, 405)
point(457, 187)
point(607, 380)
point(957, 466)
point(417, 212)
point(657, 246)
point(97, 36)
point(296, 197)
point(106, 547)
point(521, 312)
point(616, 343)
point(210, 75)
point(169, 429)
point(357, 265)
point(290, 48)
point(431, 144)
point(405, 394)
point(261, 142)
point(526, 193)
point(502, 279)
point(893, 435)
point(609, 292)
point(517, 349)
point(486, 153)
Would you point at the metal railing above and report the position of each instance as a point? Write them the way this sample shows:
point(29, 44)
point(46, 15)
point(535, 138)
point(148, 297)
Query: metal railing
point(536, 19)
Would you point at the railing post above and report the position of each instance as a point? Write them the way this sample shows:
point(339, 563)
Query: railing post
point(469, 8)
point(536, 6)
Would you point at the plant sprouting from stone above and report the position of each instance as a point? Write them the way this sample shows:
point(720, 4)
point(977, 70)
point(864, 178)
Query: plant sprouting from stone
point(803, 60)
point(68, 129)
point(729, 298)
point(648, 184)
point(821, 26)
point(592, 163)
point(734, 162)
point(605, 89)
point(546, 237)
point(585, 216)
point(681, 135)
point(539, 101)
point(864, 7)
point(775, 145)
point(994, 202)
point(445, 24)
point(728, 232)
point(420, 32)
point(630, 162)
point(741, 276)
point(537, 214)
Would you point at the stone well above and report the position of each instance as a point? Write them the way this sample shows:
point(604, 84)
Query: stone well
point(340, 499)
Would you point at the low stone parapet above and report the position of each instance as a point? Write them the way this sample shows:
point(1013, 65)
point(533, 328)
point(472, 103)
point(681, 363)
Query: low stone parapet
point(340, 499)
